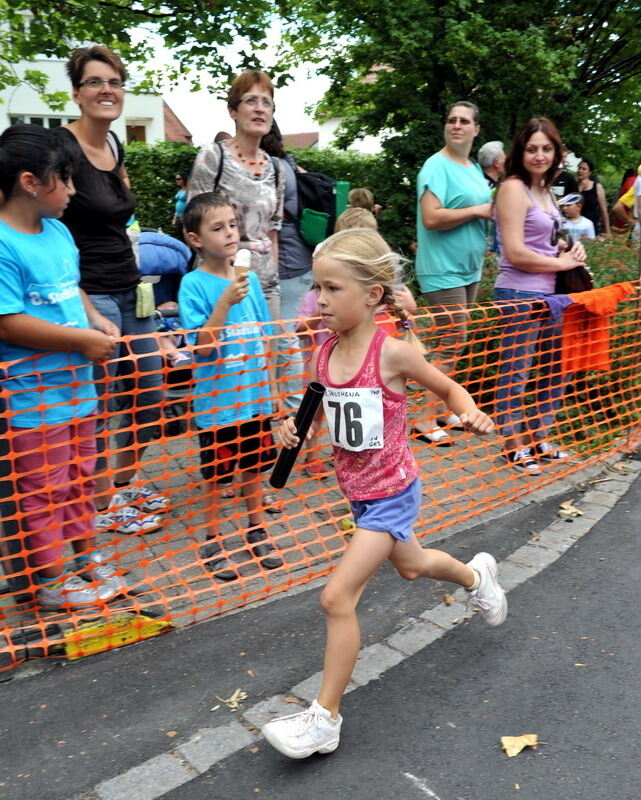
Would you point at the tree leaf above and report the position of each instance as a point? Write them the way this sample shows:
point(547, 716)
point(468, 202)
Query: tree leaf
point(514, 744)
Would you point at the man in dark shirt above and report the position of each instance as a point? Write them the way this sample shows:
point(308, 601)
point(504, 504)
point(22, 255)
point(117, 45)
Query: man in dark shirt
point(565, 182)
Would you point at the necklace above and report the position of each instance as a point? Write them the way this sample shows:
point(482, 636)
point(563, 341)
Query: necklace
point(258, 162)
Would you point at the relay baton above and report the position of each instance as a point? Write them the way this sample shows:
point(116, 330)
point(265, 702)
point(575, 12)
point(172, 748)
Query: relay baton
point(304, 417)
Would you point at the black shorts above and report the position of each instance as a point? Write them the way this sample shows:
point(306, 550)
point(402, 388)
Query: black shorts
point(247, 446)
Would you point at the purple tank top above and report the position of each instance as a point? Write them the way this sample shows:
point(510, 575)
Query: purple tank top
point(537, 235)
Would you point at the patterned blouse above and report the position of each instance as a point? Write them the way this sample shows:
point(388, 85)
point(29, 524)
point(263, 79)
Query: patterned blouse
point(256, 200)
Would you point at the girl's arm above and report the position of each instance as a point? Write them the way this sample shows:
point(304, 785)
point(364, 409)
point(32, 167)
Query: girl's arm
point(512, 206)
point(287, 431)
point(402, 361)
point(96, 319)
point(437, 218)
point(603, 206)
point(37, 334)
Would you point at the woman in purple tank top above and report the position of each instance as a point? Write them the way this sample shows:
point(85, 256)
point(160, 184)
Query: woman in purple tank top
point(532, 252)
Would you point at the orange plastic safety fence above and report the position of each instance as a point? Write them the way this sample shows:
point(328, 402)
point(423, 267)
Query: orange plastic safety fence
point(573, 381)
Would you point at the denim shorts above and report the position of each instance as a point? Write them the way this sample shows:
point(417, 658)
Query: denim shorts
point(394, 515)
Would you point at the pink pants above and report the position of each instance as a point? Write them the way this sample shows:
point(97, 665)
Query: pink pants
point(54, 466)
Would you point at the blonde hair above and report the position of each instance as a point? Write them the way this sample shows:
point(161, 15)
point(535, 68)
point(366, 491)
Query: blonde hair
point(361, 198)
point(356, 218)
point(370, 260)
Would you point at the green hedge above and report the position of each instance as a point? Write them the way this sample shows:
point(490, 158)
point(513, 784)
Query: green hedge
point(152, 170)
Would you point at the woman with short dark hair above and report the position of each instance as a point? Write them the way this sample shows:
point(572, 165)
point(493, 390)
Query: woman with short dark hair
point(453, 206)
point(528, 226)
point(243, 171)
point(97, 217)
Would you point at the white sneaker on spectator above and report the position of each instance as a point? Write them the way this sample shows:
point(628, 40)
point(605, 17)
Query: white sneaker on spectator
point(110, 584)
point(126, 520)
point(68, 593)
point(307, 732)
point(548, 452)
point(453, 420)
point(523, 461)
point(489, 598)
point(149, 501)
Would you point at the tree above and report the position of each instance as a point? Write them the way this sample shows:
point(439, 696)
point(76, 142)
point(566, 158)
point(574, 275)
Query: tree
point(396, 66)
point(197, 31)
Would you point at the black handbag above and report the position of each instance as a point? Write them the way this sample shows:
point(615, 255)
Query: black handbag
point(572, 281)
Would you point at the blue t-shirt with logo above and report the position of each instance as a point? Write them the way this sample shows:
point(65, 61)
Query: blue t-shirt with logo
point(232, 383)
point(39, 277)
point(449, 258)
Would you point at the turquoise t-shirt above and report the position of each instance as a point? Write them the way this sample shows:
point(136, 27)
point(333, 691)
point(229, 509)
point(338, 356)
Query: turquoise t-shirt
point(232, 383)
point(454, 257)
point(39, 277)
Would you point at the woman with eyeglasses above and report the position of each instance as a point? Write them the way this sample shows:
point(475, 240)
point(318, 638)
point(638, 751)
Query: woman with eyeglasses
point(453, 207)
point(240, 169)
point(97, 217)
point(532, 252)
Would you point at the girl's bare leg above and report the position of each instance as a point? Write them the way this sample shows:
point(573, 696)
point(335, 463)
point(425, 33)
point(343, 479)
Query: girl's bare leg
point(366, 552)
point(413, 561)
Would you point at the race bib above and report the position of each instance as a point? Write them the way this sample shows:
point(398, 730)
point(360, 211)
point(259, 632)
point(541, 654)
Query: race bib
point(355, 417)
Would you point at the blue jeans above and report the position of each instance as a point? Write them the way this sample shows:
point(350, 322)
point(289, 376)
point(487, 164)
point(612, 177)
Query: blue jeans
point(525, 337)
point(137, 400)
point(290, 366)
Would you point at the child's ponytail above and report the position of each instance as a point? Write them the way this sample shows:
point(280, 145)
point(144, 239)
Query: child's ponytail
point(405, 322)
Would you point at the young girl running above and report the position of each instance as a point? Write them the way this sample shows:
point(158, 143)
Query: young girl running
point(364, 372)
point(49, 335)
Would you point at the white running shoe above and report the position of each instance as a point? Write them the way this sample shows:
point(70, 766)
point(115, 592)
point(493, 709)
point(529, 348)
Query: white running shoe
point(548, 452)
point(523, 461)
point(110, 584)
point(127, 520)
point(68, 593)
point(489, 598)
point(149, 501)
point(300, 735)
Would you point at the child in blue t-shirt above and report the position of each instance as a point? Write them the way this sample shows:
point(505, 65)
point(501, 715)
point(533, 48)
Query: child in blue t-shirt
point(50, 334)
point(579, 226)
point(231, 400)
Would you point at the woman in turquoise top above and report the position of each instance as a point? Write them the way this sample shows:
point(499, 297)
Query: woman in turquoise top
point(453, 204)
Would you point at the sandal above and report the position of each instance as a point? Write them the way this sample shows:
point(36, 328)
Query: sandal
point(436, 436)
point(272, 504)
point(317, 468)
point(452, 421)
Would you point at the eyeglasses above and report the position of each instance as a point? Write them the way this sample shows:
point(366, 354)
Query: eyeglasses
point(253, 102)
point(97, 83)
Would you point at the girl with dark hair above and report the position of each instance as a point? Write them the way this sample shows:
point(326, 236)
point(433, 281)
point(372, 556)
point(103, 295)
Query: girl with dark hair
point(595, 206)
point(97, 217)
point(50, 333)
point(528, 224)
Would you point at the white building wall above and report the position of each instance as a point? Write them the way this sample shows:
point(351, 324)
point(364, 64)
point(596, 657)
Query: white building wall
point(23, 102)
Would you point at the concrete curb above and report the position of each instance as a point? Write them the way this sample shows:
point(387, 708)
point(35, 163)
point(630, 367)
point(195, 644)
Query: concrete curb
point(165, 772)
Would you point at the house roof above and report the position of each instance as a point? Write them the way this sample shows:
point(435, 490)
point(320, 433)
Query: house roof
point(300, 139)
point(175, 131)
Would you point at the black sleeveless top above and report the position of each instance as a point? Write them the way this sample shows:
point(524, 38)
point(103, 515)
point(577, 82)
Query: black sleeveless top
point(591, 208)
point(97, 216)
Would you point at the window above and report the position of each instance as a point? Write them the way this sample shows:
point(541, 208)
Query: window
point(46, 122)
point(136, 133)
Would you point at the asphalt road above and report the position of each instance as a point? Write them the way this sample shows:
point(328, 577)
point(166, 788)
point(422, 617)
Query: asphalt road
point(564, 666)
point(429, 728)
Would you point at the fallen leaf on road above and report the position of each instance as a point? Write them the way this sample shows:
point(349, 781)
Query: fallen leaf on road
point(514, 744)
point(580, 665)
point(568, 510)
point(215, 708)
point(295, 700)
point(448, 599)
point(251, 673)
point(233, 702)
point(171, 734)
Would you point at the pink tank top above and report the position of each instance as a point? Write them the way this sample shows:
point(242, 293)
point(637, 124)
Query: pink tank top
point(367, 425)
